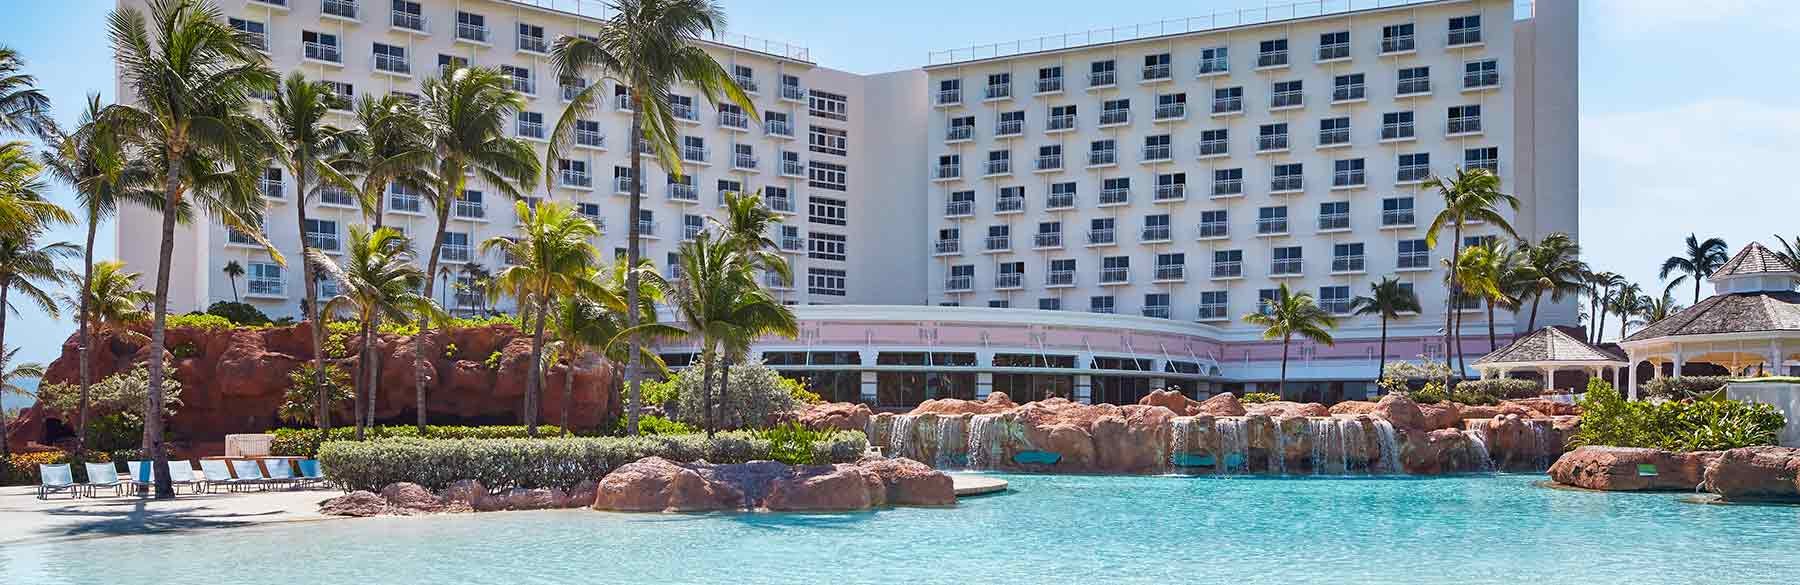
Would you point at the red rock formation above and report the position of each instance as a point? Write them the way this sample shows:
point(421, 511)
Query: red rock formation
point(1548, 407)
point(1502, 409)
point(836, 416)
point(1436, 452)
point(1443, 415)
point(654, 484)
point(358, 503)
point(1756, 474)
point(1285, 409)
point(825, 488)
point(235, 380)
point(1617, 469)
point(910, 483)
point(1173, 400)
point(1401, 411)
point(1353, 407)
point(996, 402)
point(1223, 404)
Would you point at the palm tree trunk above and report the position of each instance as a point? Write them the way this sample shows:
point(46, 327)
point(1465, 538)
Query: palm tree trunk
point(315, 314)
point(420, 364)
point(1696, 289)
point(5, 287)
point(568, 400)
point(1453, 339)
point(86, 341)
point(1491, 338)
point(706, 396)
point(1282, 388)
point(1381, 364)
point(1531, 325)
point(153, 407)
point(725, 386)
point(366, 376)
point(532, 383)
point(1600, 328)
point(234, 292)
point(632, 235)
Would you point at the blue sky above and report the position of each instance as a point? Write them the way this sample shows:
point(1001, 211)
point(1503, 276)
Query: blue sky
point(1685, 112)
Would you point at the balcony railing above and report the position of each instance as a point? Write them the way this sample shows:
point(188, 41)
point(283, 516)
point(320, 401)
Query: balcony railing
point(327, 241)
point(1156, 311)
point(1488, 164)
point(998, 167)
point(743, 161)
point(533, 43)
point(339, 8)
point(959, 208)
point(271, 188)
point(1464, 125)
point(1287, 99)
point(1335, 306)
point(1397, 131)
point(1272, 59)
point(1154, 233)
point(1397, 217)
point(531, 129)
point(947, 246)
point(1212, 312)
point(1332, 51)
point(1060, 278)
point(1271, 225)
point(1228, 187)
point(1355, 178)
point(1464, 36)
point(1103, 157)
point(647, 228)
point(392, 64)
point(959, 283)
point(1398, 44)
point(266, 286)
point(1106, 309)
point(573, 178)
point(623, 185)
point(949, 97)
point(1059, 123)
point(1215, 147)
point(1102, 79)
point(1412, 173)
point(998, 90)
point(695, 154)
point(793, 168)
point(793, 243)
point(1156, 72)
point(1115, 275)
point(1157, 152)
point(1334, 221)
point(1351, 92)
point(1059, 201)
point(959, 133)
point(778, 128)
point(322, 52)
point(407, 202)
point(779, 203)
point(1114, 117)
point(745, 82)
point(683, 192)
point(1049, 162)
point(1228, 269)
point(999, 243)
point(472, 32)
point(1211, 66)
point(1012, 204)
point(1215, 229)
point(689, 232)
point(1102, 236)
point(1047, 240)
point(1272, 142)
point(1009, 280)
point(1049, 84)
point(775, 281)
point(464, 209)
point(1171, 192)
point(1228, 105)
point(622, 103)
point(685, 112)
point(1334, 137)
point(455, 253)
point(1285, 267)
point(1414, 260)
point(407, 20)
point(1009, 127)
point(1287, 183)
point(793, 92)
point(336, 196)
point(590, 138)
point(1115, 196)
point(1481, 80)
point(1413, 87)
point(1351, 263)
point(734, 120)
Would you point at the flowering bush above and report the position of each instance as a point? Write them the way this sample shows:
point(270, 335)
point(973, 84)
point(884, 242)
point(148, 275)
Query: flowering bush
point(1710, 423)
point(1259, 397)
point(22, 468)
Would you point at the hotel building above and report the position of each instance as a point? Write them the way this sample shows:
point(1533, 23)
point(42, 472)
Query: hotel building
point(1087, 215)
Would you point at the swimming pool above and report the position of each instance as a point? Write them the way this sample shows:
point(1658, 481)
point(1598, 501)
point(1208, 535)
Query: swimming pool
point(1080, 529)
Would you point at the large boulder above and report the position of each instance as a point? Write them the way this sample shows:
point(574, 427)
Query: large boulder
point(410, 498)
point(465, 495)
point(1756, 474)
point(996, 402)
point(1548, 407)
point(834, 416)
point(360, 503)
point(533, 499)
point(1173, 400)
point(1436, 452)
point(1622, 469)
point(1353, 407)
point(1285, 409)
point(1222, 404)
point(1443, 415)
point(1503, 409)
point(654, 484)
point(1401, 411)
point(910, 483)
point(823, 487)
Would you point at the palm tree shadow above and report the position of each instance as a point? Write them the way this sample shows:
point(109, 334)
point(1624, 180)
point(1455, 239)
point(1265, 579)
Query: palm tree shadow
point(138, 518)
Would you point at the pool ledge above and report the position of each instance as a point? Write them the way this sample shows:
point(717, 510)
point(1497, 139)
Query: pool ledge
point(976, 485)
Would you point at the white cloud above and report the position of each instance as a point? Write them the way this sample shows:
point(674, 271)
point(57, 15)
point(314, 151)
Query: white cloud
point(1717, 167)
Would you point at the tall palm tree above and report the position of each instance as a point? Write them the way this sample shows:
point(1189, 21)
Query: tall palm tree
point(31, 270)
point(192, 80)
point(25, 205)
point(110, 305)
point(1290, 314)
point(376, 281)
point(1553, 266)
point(466, 111)
point(1473, 195)
point(390, 145)
point(720, 300)
point(233, 271)
point(596, 322)
point(1599, 294)
point(305, 145)
point(1659, 308)
point(1388, 299)
point(1697, 262)
point(1486, 271)
point(9, 373)
point(554, 254)
point(1628, 302)
point(23, 107)
point(649, 47)
point(477, 287)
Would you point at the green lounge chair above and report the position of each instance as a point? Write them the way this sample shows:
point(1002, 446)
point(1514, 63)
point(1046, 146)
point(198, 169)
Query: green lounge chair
point(57, 478)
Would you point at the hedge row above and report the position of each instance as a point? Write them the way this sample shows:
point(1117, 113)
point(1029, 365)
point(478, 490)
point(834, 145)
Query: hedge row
point(1502, 388)
point(533, 463)
point(305, 442)
point(1680, 387)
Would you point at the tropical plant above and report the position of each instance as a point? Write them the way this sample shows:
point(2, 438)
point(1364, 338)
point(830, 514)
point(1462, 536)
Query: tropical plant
point(239, 313)
point(190, 119)
point(23, 107)
point(31, 270)
point(1599, 291)
point(1259, 397)
point(596, 320)
point(1290, 314)
point(1550, 266)
point(390, 145)
point(553, 257)
point(1708, 423)
point(1473, 195)
point(1659, 308)
point(1697, 262)
point(233, 271)
point(649, 47)
point(757, 397)
point(721, 303)
point(1388, 298)
point(24, 200)
point(377, 281)
point(1790, 252)
point(110, 306)
point(466, 112)
point(1487, 270)
point(11, 371)
point(301, 401)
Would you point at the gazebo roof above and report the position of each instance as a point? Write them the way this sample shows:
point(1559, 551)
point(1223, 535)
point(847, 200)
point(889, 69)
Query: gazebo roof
point(1753, 259)
point(1548, 345)
point(1731, 313)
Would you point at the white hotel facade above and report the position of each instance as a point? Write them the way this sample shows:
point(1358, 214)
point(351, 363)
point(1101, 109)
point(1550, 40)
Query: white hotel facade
point(1083, 215)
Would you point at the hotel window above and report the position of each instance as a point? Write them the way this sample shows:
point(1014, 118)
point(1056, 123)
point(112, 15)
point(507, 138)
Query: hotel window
point(1171, 266)
point(1012, 275)
point(1266, 298)
point(999, 162)
point(1049, 157)
point(1287, 177)
point(1288, 260)
point(1100, 304)
point(1156, 67)
point(1413, 81)
point(1215, 142)
point(1061, 273)
point(960, 203)
point(998, 304)
point(999, 237)
point(826, 211)
point(1213, 304)
point(825, 281)
point(949, 91)
point(1115, 190)
point(1345, 88)
point(1049, 235)
point(1061, 118)
point(521, 79)
point(827, 105)
point(1214, 60)
point(1156, 305)
point(1114, 269)
point(1334, 131)
point(1465, 30)
point(1215, 223)
point(1287, 94)
point(961, 128)
point(824, 246)
point(1347, 257)
point(1464, 120)
point(456, 247)
point(1156, 147)
point(1482, 158)
point(1171, 106)
point(449, 63)
point(1228, 100)
point(824, 175)
point(322, 234)
point(1397, 38)
point(790, 87)
point(1272, 220)
point(1049, 304)
point(1480, 74)
point(1479, 241)
point(471, 26)
point(1334, 215)
point(265, 279)
point(999, 85)
point(1272, 53)
point(1115, 112)
point(1334, 45)
point(1011, 199)
point(321, 46)
point(1272, 137)
point(258, 31)
point(1414, 167)
point(1103, 152)
point(531, 125)
point(830, 141)
point(531, 38)
point(1414, 254)
point(1171, 186)
point(1156, 228)
point(1348, 172)
point(1102, 73)
point(1228, 263)
point(408, 15)
point(1335, 299)
point(1397, 211)
point(1397, 126)
point(591, 211)
point(1100, 230)
point(1228, 182)
point(745, 77)
point(1010, 123)
point(1050, 79)
point(962, 277)
point(1062, 196)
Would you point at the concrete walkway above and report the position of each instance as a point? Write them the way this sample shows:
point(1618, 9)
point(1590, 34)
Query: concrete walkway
point(24, 518)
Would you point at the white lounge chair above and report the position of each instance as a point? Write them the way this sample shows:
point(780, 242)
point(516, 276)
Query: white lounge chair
point(218, 473)
point(181, 472)
point(248, 473)
point(57, 478)
point(104, 475)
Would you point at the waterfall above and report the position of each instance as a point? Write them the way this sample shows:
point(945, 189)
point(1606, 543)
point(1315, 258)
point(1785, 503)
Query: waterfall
point(1352, 443)
point(984, 441)
point(946, 438)
point(1477, 431)
point(1277, 449)
point(1540, 439)
point(1234, 449)
point(1178, 438)
point(900, 434)
point(1390, 445)
point(1325, 432)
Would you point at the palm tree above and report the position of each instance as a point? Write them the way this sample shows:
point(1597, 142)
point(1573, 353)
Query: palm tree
point(390, 145)
point(1599, 294)
point(596, 322)
point(192, 81)
point(1389, 299)
point(1550, 266)
point(1474, 195)
point(1290, 314)
point(234, 271)
point(24, 202)
point(552, 258)
point(305, 145)
point(1659, 308)
point(467, 111)
point(649, 47)
point(1628, 302)
point(477, 287)
point(1698, 262)
point(376, 282)
point(8, 373)
point(721, 302)
point(1486, 270)
point(23, 107)
point(110, 305)
point(30, 270)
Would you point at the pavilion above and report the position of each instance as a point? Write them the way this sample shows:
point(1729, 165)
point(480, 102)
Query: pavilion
point(1547, 351)
point(1750, 325)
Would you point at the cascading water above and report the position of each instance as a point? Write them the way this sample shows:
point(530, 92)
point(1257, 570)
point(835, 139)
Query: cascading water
point(947, 427)
point(1390, 445)
point(1326, 433)
point(984, 441)
point(900, 435)
point(1355, 443)
point(1277, 449)
point(1234, 450)
point(1540, 439)
point(1477, 431)
point(1178, 439)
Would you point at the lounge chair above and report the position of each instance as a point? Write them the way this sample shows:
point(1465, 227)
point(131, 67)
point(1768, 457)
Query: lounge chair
point(218, 473)
point(310, 473)
point(181, 472)
point(138, 474)
point(57, 478)
point(104, 475)
point(248, 473)
point(281, 472)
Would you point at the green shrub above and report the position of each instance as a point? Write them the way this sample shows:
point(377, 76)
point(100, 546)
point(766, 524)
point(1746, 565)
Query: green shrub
point(199, 321)
point(793, 444)
point(22, 468)
point(660, 393)
point(305, 442)
point(1399, 376)
point(1507, 389)
point(302, 398)
point(123, 393)
point(757, 394)
point(239, 313)
point(185, 349)
point(1709, 423)
point(493, 361)
point(1433, 392)
point(1259, 397)
point(449, 351)
point(1684, 387)
point(528, 463)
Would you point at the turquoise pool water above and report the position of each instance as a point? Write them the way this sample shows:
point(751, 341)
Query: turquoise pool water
point(1463, 530)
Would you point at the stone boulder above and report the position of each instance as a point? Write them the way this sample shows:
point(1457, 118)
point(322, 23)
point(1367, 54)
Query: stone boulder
point(1619, 469)
point(824, 488)
point(1443, 415)
point(911, 483)
point(654, 484)
point(360, 503)
point(1436, 452)
point(834, 416)
point(410, 498)
point(996, 402)
point(1503, 409)
point(1222, 404)
point(1401, 411)
point(1353, 407)
point(1755, 474)
point(463, 495)
point(1548, 407)
point(1285, 409)
point(1173, 400)
point(580, 496)
point(534, 499)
